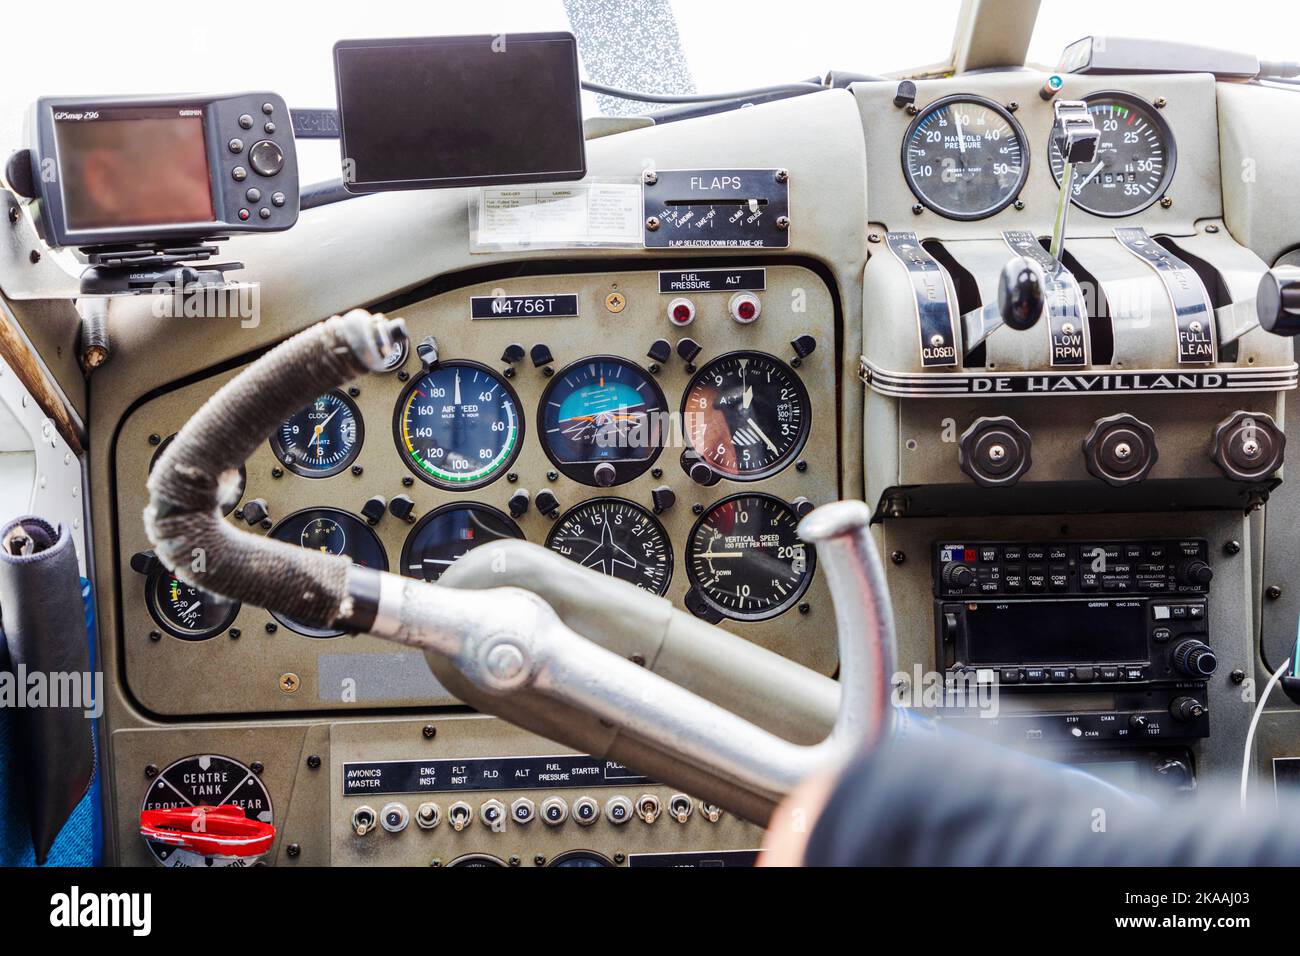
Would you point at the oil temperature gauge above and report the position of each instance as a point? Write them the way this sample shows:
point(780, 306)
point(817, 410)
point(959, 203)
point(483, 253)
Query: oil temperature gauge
point(746, 561)
point(184, 611)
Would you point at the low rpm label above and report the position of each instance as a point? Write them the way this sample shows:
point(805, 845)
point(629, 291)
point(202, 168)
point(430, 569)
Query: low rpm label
point(1191, 303)
point(562, 772)
point(933, 310)
point(1067, 316)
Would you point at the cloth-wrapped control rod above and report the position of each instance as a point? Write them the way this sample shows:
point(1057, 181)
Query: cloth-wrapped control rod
point(183, 519)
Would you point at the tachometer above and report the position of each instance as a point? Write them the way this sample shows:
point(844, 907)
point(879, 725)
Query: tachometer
point(745, 559)
point(618, 538)
point(602, 420)
point(321, 439)
point(1135, 157)
point(443, 535)
point(964, 157)
point(333, 532)
point(746, 414)
point(458, 425)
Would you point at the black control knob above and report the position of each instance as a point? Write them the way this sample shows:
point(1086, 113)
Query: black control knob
point(994, 452)
point(427, 352)
point(540, 354)
point(803, 345)
point(373, 509)
point(1196, 572)
point(1248, 446)
point(518, 503)
point(1020, 293)
point(956, 575)
point(401, 507)
point(143, 562)
point(698, 469)
point(662, 498)
point(1120, 449)
point(266, 158)
point(660, 351)
point(687, 349)
point(1194, 658)
point(514, 352)
point(604, 474)
point(1137, 721)
point(1186, 708)
point(1277, 302)
point(547, 503)
point(801, 506)
point(1175, 772)
point(255, 511)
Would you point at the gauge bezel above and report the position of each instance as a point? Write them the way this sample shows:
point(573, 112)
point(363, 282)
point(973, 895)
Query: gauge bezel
point(297, 626)
point(598, 858)
point(399, 415)
point(1016, 128)
point(165, 622)
point(584, 472)
point(1166, 134)
point(805, 418)
point(616, 500)
point(730, 613)
point(418, 528)
point(292, 462)
point(226, 507)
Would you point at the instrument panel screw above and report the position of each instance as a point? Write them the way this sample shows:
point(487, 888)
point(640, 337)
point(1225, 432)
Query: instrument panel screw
point(1012, 106)
point(14, 214)
point(548, 372)
point(1165, 202)
point(783, 222)
point(873, 237)
point(408, 481)
point(805, 607)
point(782, 175)
point(235, 633)
point(638, 660)
point(293, 850)
point(697, 509)
point(510, 372)
point(801, 465)
point(151, 771)
point(1232, 547)
point(552, 476)
point(514, 859)
point(435, 862)
point(429, 731)
point(313, 761)
point(271, 627)
point(34, 256)
point(619, 858)
point(289, 682)
point(912, 109)
point(656, 472)
point(1018, 205)
point(1238, 676)
point(898, 557)
point(403, 375)
point(1273, 593)
point(155, 636)
point(155, 439)
point(512, 477)
point(1211, 228)
point(277, 472)
point(917, 209)
point(1160, 103)
point(539, 860)
point(650, 177)
point(652, 223)
point(266, 524)
point(357, 470)
point(654, 368)
point(354, 391)
point(256, 767)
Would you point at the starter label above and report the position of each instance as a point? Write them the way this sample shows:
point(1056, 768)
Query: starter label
point(485, 773)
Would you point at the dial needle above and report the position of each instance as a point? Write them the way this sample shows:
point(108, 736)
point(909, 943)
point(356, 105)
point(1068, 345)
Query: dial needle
point(761, 434)
point(315, 436)
point(457, 398)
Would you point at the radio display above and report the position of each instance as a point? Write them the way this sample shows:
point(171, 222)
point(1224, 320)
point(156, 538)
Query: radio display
point(1056, 632)
point(133, 166)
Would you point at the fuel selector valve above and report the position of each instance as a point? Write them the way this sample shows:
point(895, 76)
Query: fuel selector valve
point(994, 452)
point(1120, 449)
point(221, 833)
point(1248, 446)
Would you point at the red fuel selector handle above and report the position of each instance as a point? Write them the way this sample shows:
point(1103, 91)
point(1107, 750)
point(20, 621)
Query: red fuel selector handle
point(208, 831)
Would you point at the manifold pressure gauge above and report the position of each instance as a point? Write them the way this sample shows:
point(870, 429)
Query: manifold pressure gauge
point(618, 538)
point(746, 414)
point(321, 439)
point(746, 560)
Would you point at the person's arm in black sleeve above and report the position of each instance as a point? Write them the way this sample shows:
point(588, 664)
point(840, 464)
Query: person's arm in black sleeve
point(950, 800)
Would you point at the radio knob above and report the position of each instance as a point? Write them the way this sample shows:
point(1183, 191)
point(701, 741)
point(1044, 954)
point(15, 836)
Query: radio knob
point(1175, 771)
point(1186, 708)
point(1195, 659)
point(1195, 571)
point(957, 575)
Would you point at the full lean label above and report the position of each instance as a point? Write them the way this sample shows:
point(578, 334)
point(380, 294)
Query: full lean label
point(938, 337)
